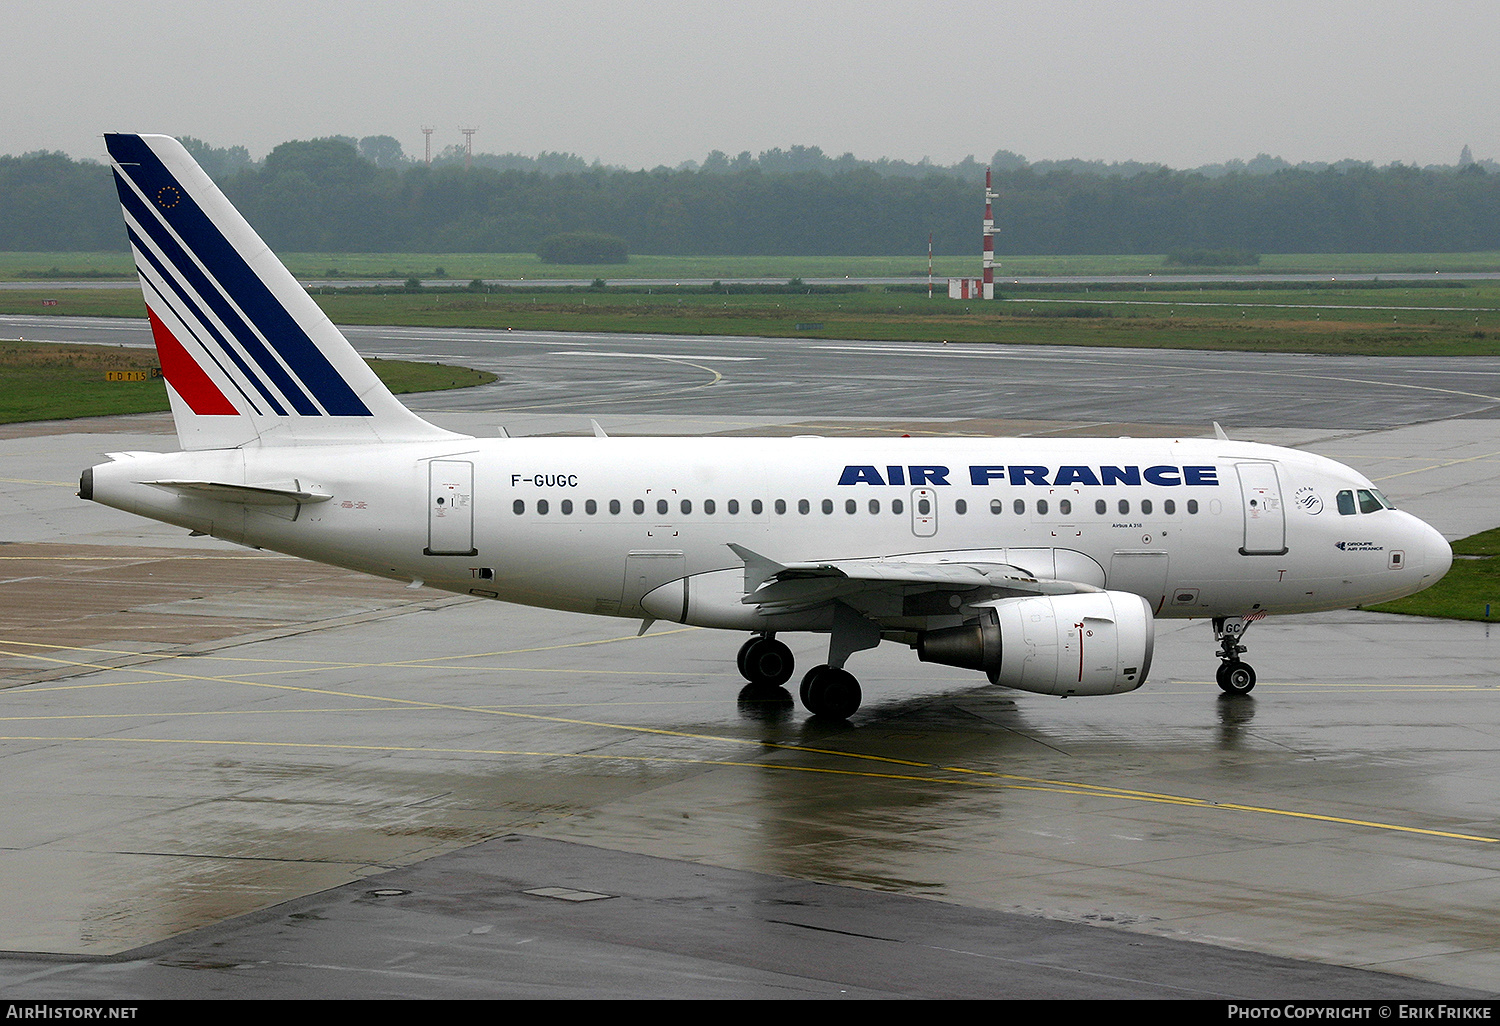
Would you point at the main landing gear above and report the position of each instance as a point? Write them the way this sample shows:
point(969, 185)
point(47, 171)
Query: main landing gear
point(765, 662)
point(1234, 677)
point(828, 691)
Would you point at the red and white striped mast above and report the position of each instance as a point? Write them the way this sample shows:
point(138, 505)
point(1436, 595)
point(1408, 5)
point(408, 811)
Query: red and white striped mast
point(929, 265)
point(989, 238)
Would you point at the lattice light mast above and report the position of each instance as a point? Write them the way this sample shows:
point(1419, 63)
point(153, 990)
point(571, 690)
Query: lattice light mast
point(468, 146)
point(427, 139)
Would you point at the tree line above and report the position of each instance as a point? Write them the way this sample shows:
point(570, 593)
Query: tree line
point(343, 195)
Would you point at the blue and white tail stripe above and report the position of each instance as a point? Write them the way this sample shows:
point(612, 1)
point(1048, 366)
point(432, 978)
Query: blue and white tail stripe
point(248, 355)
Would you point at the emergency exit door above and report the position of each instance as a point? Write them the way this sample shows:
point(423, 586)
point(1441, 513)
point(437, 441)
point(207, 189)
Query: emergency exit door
point(924, 513)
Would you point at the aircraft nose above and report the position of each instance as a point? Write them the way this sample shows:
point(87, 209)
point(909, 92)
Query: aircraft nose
point(1433, 551)
point(1439, 554)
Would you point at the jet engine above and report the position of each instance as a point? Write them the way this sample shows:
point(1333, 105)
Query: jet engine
point(1096, 643)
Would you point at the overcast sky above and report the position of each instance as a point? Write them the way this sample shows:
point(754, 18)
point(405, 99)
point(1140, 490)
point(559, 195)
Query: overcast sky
point(648, 82)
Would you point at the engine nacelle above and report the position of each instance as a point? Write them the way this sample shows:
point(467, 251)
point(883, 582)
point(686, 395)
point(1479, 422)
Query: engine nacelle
point(1097, 643)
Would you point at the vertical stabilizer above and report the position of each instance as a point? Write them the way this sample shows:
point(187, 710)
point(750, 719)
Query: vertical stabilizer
point(248, 356)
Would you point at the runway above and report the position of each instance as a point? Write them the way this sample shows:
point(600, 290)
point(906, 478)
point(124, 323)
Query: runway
point(231, 773)
point(728, 382)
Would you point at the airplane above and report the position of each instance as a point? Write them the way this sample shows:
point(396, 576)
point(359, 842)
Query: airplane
point(1041, 563)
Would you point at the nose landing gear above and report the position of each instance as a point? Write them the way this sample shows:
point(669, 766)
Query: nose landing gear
point(1234, 676)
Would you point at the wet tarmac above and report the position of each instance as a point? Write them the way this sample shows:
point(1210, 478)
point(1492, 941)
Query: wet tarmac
point(215, 758)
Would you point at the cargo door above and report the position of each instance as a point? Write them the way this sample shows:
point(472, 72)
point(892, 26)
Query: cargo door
point(1142, 573)
point(647, 571)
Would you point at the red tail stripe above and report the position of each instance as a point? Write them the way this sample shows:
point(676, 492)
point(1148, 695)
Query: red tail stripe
point(185, 376)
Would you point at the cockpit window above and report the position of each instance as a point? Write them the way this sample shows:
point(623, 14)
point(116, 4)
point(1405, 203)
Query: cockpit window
point(1346, 503)
point(1368, 502)
point(1387, 503)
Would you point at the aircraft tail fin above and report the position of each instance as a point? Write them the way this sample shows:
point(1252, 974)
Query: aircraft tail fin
point(249, 358)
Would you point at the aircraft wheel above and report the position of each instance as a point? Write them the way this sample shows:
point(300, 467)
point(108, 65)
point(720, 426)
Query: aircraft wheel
point(765, 662)
point(830, 693)
point(739, 659)
point(1236, 678)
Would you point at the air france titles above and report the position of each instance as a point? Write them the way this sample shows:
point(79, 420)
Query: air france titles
point(1164, 476)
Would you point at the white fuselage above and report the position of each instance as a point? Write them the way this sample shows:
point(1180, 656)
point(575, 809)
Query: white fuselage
point(1199, 528)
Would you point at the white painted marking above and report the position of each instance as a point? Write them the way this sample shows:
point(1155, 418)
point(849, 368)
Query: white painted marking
point(655, 356)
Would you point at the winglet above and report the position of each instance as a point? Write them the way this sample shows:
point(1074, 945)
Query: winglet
point(1219, 433)
point(598, 431)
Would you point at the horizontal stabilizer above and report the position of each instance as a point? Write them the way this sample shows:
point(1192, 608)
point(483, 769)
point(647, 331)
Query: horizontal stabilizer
point(291, 494)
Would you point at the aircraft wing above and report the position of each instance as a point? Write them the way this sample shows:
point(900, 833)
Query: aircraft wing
point(788, 587)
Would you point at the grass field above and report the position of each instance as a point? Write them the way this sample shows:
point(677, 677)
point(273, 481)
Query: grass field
point(44, 381)
point(1470, 591)
point(1342, 318)
point(466, 266)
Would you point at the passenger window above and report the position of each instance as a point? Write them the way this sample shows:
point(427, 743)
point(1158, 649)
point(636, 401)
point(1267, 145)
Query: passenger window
point(591, 507)
point(1124, 505)
point(851, 506)
point(1169, 506)
point(897, 506)
point(541, 506)
point(1019, 506)
point(687, 506)
point(960, 506)
point(639, 506)
point(1065, 507)
point(827, 506)
point(924, 506)
point(519, 506)
point(874, 505)
point(1192, 505)
point(567, 506)
point(997, 506)
point(614, 506)
point(709, 507)
point(1100, 506)
point(662, 506)
point(733, 505)
point(756, 506)
point(804, 507)
point(1367, 502)
point(1346, 503)
point(780, 506)
point(1146, 506)
point(1041, 507)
